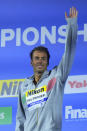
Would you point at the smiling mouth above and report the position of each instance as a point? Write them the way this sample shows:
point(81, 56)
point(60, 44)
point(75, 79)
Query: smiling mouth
point(39, 66)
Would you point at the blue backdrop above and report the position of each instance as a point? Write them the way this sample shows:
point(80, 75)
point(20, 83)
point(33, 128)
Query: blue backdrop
point(26, 24)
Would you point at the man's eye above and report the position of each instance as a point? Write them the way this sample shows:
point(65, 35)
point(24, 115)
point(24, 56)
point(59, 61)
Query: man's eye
point(36, 58)
point(44, 58)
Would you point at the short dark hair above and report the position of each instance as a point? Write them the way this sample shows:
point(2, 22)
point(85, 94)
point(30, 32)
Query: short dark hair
point(42, 49)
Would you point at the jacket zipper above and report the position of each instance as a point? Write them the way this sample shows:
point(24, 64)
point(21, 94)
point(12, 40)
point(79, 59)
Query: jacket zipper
point(37, 116)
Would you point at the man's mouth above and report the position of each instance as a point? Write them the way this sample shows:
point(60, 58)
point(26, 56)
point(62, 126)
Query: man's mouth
point(39, 66)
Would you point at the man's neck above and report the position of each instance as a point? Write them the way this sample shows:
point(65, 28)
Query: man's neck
point(37, 77)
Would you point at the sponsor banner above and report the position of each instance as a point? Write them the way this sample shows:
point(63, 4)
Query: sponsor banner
point(76, 84)
point(75, 113)
point(72, 113)
point(5, 115)
point(9, 88)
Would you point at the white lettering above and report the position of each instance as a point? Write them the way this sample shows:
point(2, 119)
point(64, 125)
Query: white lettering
point(51, 36)
point(36, 36)
point(62, 32)
point(75, 113)
point(6, 35)
point(83, 32)
point(18, 36)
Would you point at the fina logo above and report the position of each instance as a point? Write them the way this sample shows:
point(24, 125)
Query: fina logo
point(75, 114)
point(54, 36)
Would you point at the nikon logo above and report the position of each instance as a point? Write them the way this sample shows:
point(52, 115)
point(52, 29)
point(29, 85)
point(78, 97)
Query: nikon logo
point(9, 87)
point(35, 91)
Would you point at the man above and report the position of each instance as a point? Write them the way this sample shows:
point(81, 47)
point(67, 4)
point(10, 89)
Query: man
point(40, 96)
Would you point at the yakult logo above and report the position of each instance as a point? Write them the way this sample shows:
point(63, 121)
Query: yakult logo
point(76, 84)
point(20, 36)
point(71, 113)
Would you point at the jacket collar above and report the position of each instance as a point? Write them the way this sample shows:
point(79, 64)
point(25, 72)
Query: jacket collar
point(44, 75)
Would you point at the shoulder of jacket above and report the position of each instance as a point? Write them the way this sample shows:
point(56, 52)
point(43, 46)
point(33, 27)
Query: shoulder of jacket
point(26, 82)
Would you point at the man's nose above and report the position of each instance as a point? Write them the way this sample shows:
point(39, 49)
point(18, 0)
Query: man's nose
point(40, 60)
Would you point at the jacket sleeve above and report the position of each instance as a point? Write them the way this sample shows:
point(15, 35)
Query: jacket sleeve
point(63, 69)
point(20, 117)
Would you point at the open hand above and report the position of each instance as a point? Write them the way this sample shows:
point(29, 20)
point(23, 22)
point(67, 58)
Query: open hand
point(73, 13)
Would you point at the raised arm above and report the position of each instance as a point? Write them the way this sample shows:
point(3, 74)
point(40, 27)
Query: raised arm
point(66, 62)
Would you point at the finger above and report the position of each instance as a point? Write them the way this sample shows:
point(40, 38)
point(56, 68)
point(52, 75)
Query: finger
point(66, 15)
point(74, 12)
point(70, 13)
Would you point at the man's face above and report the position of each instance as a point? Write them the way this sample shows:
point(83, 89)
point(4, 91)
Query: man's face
point(39, 61)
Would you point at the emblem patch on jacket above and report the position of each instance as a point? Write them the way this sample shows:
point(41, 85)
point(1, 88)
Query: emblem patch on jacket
point(36, 98)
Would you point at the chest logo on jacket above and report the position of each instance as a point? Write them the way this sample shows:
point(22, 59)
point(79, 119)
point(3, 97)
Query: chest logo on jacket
point(36, 98)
